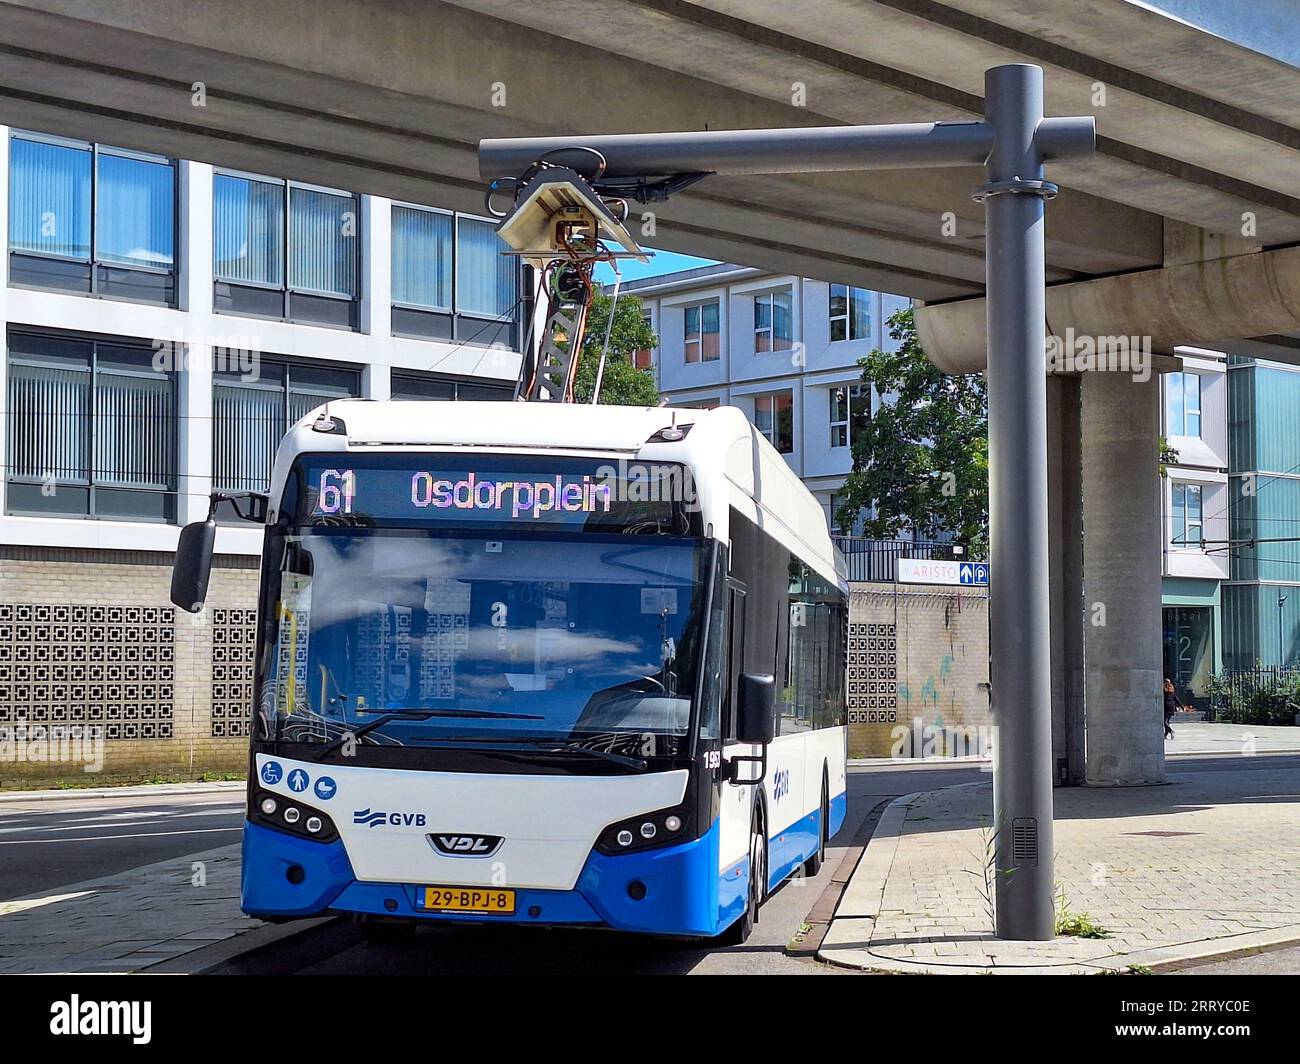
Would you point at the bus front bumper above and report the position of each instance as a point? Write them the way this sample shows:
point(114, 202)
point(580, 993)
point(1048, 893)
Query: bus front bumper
point(673, 890)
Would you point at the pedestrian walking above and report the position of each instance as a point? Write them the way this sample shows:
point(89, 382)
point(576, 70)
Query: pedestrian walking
point(1172, 706)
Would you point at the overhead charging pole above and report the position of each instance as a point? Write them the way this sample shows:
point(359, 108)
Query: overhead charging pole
point(1012, 143)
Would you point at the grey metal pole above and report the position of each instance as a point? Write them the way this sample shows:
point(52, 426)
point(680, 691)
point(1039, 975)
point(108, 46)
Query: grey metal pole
point(1019, 623)
point(1281, 653)
point(815, 149)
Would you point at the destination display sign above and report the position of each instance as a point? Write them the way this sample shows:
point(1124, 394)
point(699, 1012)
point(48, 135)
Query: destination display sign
point(527, 494)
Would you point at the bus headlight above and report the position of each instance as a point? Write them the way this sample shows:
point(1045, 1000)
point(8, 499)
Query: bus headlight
point(642, 832)
point(291, 816)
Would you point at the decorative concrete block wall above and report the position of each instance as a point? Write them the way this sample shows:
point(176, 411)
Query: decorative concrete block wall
point(917, 654)
point(89, 639)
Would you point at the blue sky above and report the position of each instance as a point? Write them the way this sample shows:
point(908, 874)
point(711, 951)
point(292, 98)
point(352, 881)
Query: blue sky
point(661, 262)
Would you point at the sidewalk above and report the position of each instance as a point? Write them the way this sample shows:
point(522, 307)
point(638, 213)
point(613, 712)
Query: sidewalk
point(140, 790)
point(126, 922)
point(1206, 865)
point(1190, 737)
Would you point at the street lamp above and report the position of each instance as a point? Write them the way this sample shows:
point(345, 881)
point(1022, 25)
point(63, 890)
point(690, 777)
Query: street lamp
point(1281, 656)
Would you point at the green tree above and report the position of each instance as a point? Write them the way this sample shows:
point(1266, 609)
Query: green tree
point(922, 458)
point(623, 384)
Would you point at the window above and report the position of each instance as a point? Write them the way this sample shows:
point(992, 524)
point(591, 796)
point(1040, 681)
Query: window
point(1187, 522)
point(450, 280)
point(850, 313)
point(1184, 392)
point(427, 386)
point(850, 410)
point(772, 322)
point(283, 250)
point(91, 219)
point(774, 418)
point(813, 695)
point(250, 417)
point(91, 429)
point(702, 333)
point(643, 358)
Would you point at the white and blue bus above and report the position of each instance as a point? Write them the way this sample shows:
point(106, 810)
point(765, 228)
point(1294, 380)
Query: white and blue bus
point(538, 664)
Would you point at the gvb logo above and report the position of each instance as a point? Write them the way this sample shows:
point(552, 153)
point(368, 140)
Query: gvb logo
point(378, 819)
point(780, 784)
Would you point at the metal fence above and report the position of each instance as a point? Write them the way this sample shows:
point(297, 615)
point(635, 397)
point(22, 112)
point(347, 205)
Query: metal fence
point(876, 560)
point(1265, 694)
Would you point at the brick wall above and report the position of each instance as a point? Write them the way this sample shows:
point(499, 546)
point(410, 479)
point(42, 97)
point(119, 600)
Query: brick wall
point(916, 653)
point(90, 638)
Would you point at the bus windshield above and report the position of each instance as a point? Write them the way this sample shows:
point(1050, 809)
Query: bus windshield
point(495, 637)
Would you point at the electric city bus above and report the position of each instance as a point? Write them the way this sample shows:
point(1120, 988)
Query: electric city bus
point(537, 663)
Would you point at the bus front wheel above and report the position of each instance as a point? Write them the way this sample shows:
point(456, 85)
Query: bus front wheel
point(378, 931)
point(743, 927)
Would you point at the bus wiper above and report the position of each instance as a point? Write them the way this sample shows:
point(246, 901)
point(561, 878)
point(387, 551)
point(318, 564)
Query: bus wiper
point(552, 746)
point(417, 714)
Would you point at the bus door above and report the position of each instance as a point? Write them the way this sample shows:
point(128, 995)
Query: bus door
point(737, 801)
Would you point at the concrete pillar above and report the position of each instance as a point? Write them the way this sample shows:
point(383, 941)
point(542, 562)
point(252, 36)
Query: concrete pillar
point(1120, 420)
point(1065, 567)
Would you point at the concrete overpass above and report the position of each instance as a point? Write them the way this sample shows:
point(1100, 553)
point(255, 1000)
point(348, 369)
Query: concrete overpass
point(1184, 228)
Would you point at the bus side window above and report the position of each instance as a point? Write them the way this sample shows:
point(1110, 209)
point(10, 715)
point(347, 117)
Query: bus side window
point(736, 658)
point(716, 655)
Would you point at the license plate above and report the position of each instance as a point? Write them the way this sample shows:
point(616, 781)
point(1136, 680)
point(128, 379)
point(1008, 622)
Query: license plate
point(469, 900)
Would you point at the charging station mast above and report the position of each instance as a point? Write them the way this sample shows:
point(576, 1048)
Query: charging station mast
point(1012, 143)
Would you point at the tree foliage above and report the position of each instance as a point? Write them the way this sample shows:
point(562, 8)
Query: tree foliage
point(922, 459)
point(623, 384)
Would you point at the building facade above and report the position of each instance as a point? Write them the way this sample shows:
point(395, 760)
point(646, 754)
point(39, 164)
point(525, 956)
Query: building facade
point(1194, 495)
point(783, 349)
point(164, 322)
point(1262, 600)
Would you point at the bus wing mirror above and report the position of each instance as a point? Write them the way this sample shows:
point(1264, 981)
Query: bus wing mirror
point(193, 564)
point(756, 708)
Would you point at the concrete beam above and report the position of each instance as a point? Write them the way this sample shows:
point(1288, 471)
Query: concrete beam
point(1196, 304)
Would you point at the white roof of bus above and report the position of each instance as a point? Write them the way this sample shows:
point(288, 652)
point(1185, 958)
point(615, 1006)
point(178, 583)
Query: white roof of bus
point(505, 424)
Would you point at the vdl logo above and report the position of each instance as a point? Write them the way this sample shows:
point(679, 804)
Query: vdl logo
point(379, 819)
point(466, 845)
point(780, 784)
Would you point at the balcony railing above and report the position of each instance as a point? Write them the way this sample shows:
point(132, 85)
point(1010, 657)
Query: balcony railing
point(876, 560)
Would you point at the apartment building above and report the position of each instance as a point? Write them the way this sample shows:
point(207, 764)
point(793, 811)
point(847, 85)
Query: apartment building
point(1194, 495)
point(783, 349)
point(164, 320)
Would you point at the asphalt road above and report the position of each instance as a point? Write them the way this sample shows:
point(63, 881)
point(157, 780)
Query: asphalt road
point(487, 950)
point(50, 844)
point(58, 842)
point(1283, 961)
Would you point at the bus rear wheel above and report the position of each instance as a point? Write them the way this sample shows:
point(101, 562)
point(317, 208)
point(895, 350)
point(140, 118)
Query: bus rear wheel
point(814, 863)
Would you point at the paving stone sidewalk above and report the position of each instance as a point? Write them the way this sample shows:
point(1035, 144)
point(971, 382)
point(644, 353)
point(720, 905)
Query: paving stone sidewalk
point(1205, 865)
point(128, 921)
